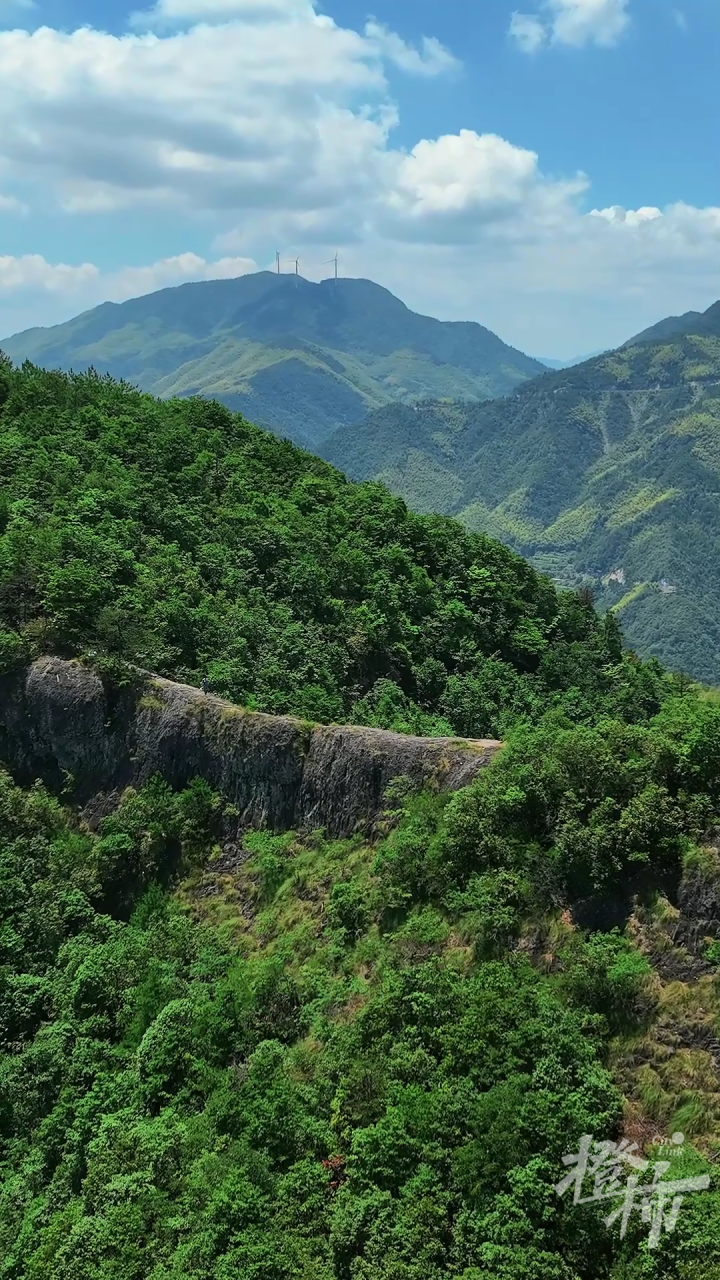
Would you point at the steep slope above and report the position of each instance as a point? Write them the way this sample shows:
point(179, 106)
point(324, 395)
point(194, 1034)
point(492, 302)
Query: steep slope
point(178, 537)
point(234, 1051)
point(58, 720)
point(253, 1056)
point(298, 357)
point(605, 475)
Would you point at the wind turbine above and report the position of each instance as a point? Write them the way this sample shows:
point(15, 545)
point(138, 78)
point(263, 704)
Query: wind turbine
point(335, 261)
point(297, 270)
point(277, 261)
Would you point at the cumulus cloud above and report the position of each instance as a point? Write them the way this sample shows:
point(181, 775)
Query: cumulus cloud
point(130, 282)
point(31, 271)
point(263, 122)
point(571, 22)
point(459, 171)
point(628, 217)
point(459, 186)
point(288, 108)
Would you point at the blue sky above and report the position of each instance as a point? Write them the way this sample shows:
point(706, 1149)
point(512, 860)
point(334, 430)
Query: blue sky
point(551, 171)
point(641, 120)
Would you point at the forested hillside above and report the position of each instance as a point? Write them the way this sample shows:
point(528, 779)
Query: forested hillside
point(176, 535)
point(606, 475)
point(244, 1055)
point(298, 357)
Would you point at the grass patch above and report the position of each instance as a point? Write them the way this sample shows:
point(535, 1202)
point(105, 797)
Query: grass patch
point(571, 527)
point(633, 594)
point(638, 504)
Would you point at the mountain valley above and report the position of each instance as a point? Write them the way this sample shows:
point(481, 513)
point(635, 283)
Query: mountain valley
point(605, 475)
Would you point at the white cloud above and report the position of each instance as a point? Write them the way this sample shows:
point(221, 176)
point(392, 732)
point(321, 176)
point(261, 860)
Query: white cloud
point(288, 108)
point(431, 59)
point(530, 33)
point(461, 185)
point(31, 271)
point(131, 282)
point(458, 171)
point(629, 217)
point(571, 22)
point(264, 122)
point(580, 22)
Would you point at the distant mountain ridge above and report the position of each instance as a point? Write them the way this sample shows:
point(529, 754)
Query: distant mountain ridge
point(551, 363)
point(605, 475)
point(701, 323)
point(298, 357)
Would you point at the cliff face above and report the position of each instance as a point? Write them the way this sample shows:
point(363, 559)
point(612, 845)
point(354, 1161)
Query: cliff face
point(56, 719)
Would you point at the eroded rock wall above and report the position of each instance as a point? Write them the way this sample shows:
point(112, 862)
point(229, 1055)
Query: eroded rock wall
point(57, 721)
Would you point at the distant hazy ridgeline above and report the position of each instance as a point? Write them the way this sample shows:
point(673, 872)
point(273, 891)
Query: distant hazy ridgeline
point(298, 357)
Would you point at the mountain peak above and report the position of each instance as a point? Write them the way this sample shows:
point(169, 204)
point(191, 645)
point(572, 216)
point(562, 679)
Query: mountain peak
point(298, 356)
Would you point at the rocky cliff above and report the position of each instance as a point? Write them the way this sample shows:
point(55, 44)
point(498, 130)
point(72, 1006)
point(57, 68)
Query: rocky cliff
point(59, 722)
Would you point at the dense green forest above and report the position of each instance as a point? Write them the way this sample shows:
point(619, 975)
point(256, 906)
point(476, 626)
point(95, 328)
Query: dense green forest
point(260, 1056)
point(175, 535)
point(297, 1058)
point(605, 475)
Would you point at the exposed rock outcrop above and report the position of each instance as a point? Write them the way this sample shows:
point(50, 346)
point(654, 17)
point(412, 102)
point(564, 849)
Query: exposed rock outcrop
point(56, 719)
